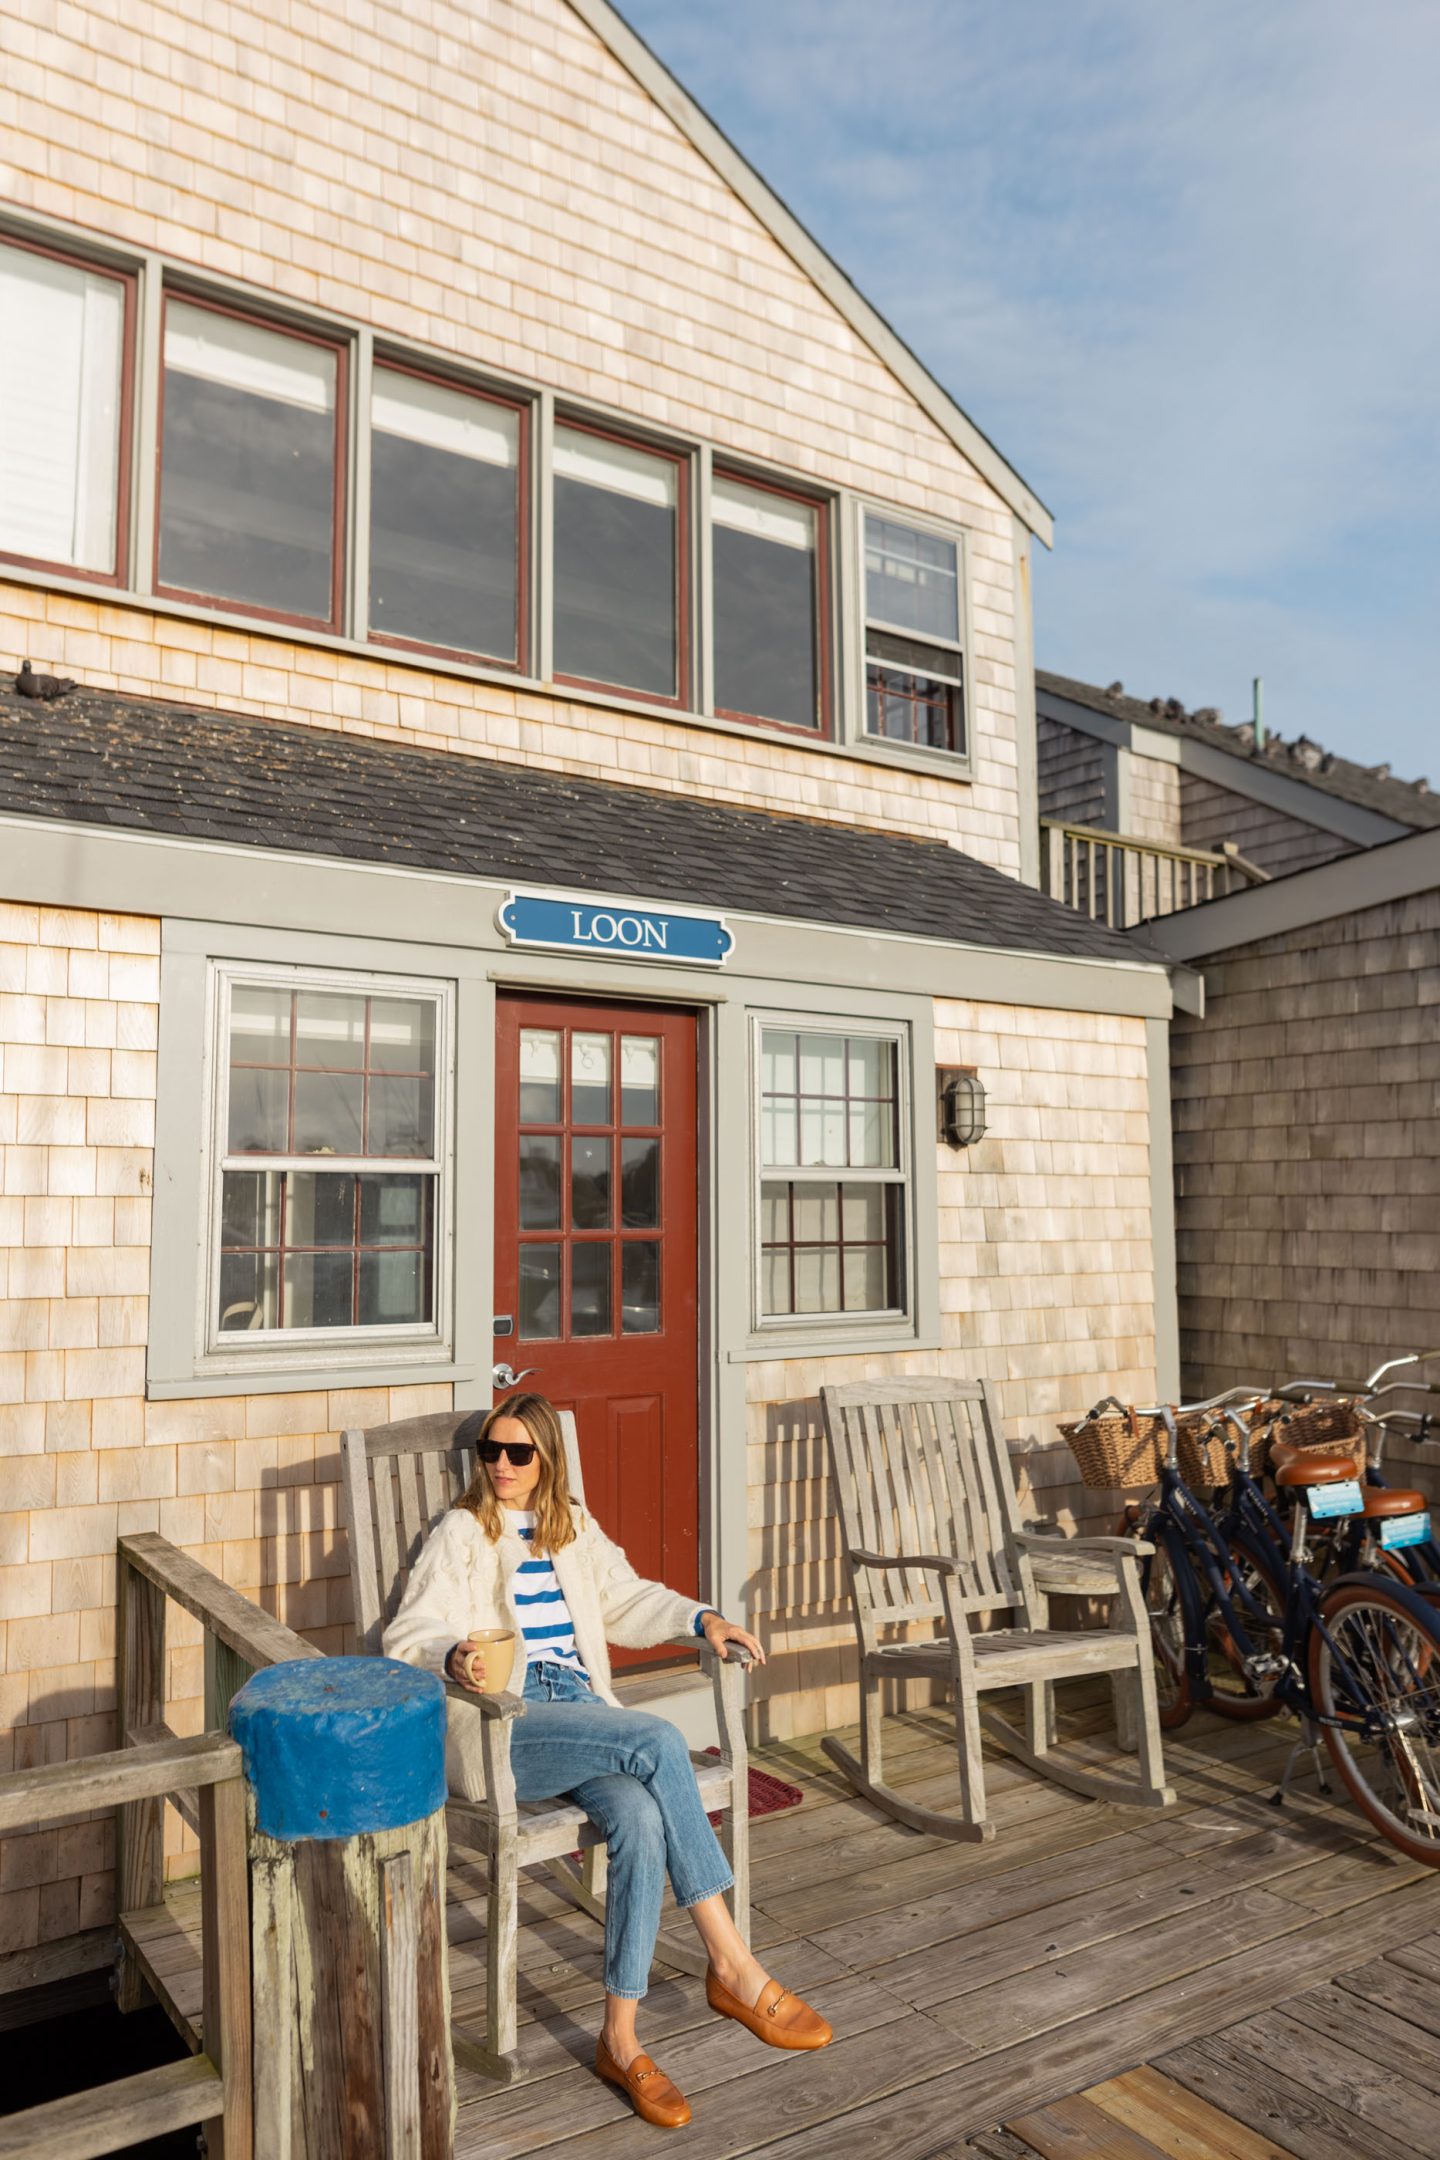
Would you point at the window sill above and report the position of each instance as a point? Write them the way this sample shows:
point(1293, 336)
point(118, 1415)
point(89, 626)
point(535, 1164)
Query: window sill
point(310, 1378)
point(831, 1342)
point(865, 750)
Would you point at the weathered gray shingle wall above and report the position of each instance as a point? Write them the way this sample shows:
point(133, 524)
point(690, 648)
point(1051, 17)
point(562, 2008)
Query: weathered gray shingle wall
point(1072, 779)
point(1266, 837)
point(1307, 1151)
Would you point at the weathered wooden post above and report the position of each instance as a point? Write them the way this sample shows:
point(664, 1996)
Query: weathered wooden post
point(345, 1763)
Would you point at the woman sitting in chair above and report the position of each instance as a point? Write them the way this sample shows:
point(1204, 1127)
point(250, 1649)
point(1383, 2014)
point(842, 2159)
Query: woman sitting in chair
point(516, 1552)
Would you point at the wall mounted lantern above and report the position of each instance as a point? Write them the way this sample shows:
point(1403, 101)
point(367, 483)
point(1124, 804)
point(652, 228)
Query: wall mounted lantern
point(960, 1104)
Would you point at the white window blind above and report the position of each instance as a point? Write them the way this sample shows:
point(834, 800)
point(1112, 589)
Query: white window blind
point(616, 466)
point(60, 366)
point(246, 356)
point(426, 412)
point(762, 515)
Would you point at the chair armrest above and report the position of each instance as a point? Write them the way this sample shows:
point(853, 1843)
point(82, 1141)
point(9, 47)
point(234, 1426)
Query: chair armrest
point(931, 1563)
point(490, 1706)
point(734, 1653)
point(1111, 1551)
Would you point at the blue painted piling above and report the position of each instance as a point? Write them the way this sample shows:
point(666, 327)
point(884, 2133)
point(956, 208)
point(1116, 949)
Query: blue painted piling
point(336, 1746)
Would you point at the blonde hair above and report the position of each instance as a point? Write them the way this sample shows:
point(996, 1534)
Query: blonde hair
point(554, 1522)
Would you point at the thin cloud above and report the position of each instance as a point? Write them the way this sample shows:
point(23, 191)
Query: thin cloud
point(1178, 263)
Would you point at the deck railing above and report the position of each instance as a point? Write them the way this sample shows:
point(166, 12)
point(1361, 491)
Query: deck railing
point(1120, 880)
point(213, 2087)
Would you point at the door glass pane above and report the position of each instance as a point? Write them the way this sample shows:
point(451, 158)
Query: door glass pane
point(60, 372)
point(616, 571)
point(327, 1113)
point(247, 464)
point(319, 1289)
point(590, 1184)
point(539, 1291)
point(639, 1080)
point(539, 1077)
point(329, 1031)
point(640, 1287)
point(590, 1079)
point(763, 554)
point(640, 1184)
point(590, 1289)
point(539, 1181)
point(402, 1035)
point(444, 521)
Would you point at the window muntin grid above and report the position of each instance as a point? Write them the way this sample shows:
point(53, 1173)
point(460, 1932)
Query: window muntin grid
point(830, 1244)
point(328, 1184)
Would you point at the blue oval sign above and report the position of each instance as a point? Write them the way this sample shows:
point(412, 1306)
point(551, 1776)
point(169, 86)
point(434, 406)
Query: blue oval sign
point(564, 922)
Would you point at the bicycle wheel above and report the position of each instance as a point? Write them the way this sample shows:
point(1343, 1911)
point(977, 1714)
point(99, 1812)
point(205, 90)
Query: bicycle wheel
point(1380, 1684)
point(1233, 1694)
point(1167, 1632)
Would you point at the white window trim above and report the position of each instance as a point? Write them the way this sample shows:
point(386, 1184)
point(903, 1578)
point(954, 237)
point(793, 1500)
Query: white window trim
point(780, 1326)
point(279, 1350)
point(960, 764)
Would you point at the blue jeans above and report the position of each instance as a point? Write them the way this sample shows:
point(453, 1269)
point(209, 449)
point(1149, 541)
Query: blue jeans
point(633, 1776)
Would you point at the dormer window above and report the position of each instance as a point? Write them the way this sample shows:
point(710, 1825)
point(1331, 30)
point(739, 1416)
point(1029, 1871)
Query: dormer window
point(914, 657)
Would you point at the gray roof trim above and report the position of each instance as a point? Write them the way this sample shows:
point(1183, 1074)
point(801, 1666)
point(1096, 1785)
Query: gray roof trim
point(1393, 872)
point(1258, 782)
point(740, 175)
point(1395, 806)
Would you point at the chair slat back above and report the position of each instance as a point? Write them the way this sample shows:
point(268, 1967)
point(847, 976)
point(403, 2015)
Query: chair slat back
point(921, 1466)
point(397, 1480)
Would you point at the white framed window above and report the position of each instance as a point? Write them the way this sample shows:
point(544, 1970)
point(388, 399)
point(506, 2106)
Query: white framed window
point(329, 1187)
point(833, 1158)
point(914, 585)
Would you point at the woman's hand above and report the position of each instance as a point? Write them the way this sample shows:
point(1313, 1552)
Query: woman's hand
point(466, 1665)
point(719, 1631)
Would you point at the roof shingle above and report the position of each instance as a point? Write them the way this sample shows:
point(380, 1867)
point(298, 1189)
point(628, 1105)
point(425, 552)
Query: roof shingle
point(151, 766)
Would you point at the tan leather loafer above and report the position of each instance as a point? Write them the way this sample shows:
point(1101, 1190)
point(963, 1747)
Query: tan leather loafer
point(648, 2090)
point(779, 2018)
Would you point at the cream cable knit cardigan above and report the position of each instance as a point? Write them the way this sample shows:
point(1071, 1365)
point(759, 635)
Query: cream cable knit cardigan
point(461, 1582)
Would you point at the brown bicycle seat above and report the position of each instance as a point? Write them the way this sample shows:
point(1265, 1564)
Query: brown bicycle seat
point(1380, 1500)
point(1315, 1470)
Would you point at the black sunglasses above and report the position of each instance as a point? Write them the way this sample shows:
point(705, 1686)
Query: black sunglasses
point(520, 1453)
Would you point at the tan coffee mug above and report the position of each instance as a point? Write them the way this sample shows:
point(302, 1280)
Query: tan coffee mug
point(489, 1659)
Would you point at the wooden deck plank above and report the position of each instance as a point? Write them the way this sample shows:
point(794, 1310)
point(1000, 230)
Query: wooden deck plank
point(1275, 2105)
point(1389, 2040)
point(1387, 1986)
point(1075, 2129)
point(1357, 2084)
point(1179, 2122)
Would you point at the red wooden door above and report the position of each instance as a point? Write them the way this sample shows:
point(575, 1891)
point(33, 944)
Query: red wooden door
point(596, 1256)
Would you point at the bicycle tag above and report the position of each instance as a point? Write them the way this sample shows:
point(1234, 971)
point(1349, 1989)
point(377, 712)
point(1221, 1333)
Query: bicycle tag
point(1325, 1502)
point(1405, 1530)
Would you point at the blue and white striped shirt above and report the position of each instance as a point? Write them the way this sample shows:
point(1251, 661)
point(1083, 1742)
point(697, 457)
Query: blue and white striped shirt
point(545, 1620)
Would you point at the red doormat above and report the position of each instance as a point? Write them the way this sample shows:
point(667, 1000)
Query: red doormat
point(768, 1795)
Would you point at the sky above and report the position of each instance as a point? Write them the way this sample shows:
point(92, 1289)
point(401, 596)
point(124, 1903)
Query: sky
point(1182, 264)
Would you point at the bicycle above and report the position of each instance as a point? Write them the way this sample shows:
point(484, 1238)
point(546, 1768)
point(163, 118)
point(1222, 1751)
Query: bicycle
point(1357, 1659)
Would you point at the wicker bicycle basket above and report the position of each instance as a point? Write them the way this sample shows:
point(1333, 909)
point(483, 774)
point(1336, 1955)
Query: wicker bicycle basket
point(1204, 1456)
point(1114, 1446)
point(1335, 1426)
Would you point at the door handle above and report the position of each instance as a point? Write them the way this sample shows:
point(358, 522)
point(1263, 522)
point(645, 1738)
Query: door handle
point(503, 1376)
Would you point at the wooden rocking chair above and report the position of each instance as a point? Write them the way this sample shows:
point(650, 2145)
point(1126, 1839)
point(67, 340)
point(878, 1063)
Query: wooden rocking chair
point(397, 1481)
point(932, 1532)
